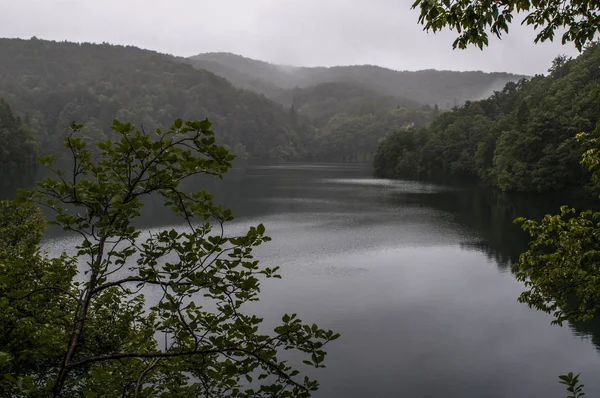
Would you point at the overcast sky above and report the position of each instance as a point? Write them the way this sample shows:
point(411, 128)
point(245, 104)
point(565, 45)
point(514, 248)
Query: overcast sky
point(297, 32)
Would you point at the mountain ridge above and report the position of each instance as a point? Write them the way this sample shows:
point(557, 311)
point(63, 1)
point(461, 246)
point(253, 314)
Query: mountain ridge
point(428, 86)
point(292, 66)
point(54, 83)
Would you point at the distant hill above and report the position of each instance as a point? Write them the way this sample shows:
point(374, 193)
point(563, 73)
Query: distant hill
point(432, 87)
point(305, 113)
point(18, 150)
point(323, 101)
point(520, 139)
point(54, 83)
point(246, 78)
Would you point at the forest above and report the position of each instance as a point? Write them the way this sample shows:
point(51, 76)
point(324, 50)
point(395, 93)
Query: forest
point(117, 299)
point(331, 117)
point(427, 87)
point(521, 138)
point(50, 84)
point(17, 146)
point(313, 114)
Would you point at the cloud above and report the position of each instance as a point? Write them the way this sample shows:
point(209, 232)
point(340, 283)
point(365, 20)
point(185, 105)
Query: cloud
point(299, 32)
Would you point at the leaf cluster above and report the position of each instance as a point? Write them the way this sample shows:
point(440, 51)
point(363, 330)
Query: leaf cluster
point(474, 21)
point(148, 313)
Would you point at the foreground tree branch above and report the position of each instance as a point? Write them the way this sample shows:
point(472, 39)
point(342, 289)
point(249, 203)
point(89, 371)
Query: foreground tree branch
point(107, 341)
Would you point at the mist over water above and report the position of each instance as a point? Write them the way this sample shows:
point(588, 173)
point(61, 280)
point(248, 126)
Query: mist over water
point(412, 274)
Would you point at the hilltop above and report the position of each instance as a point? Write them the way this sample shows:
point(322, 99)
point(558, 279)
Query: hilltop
point(426, 87)
point(54, 83)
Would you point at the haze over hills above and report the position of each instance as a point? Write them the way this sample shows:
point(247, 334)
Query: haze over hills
point(431, 87)
point(332, 114)
point(522, 138)
point(325, 100)
point(52, 83)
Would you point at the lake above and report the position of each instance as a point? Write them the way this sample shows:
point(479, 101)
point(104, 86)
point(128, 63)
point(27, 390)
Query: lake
point(414, 275)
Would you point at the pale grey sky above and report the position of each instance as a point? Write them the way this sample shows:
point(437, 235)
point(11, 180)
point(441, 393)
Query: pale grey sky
point(298, 32)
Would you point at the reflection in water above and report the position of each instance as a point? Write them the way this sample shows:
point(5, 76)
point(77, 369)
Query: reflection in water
point(489, 214)
point(413, 275)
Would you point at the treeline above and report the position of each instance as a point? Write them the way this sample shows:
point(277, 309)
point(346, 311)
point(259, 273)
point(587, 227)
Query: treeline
point(51, 84)
point(18, 149)
point(520, 139)
point(350, 120)
point(322, 102)
point(54, 83)
point(354, 137)
point(426, 87)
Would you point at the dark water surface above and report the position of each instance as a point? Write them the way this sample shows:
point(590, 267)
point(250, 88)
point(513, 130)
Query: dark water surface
point(413, 275)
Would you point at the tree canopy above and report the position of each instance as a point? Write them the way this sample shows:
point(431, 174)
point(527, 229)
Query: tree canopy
point(425, 87)
point(54, 83)
point(18, 149)
point(560, 266)
point(324, 101)
point(351, 137)
point(474, 21)
point(137, 313)
point(520, 139)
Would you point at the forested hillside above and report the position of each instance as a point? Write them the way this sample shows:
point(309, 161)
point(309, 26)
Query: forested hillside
point(55, 83)
point(18, 149)
point(322, 102)
point(520, 139)
point(249, 74)
point(353, 138)
point(51, 84)
point(351, 113)
point(443, 88)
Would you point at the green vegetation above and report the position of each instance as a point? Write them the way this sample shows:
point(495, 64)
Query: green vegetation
point(427, 87)
point(573, 385)
point(350, 138)
point(350, 120)
point(51, 84)
point(560, 267)
point(137, 314)
point(17, 147)
point(133, 313)
point(520, 139)
point(55, 83)
point(324, 101)
point(474, 19)
point(260, 77)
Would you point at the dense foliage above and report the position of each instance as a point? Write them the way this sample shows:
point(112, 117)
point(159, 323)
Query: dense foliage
point(520, 139)
point(52, 84)
point(55, 83)
point(133, 314)
point(352, 138)
point(578, 20)
point(427, 87)
point(17, 146)
point(561, 266)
